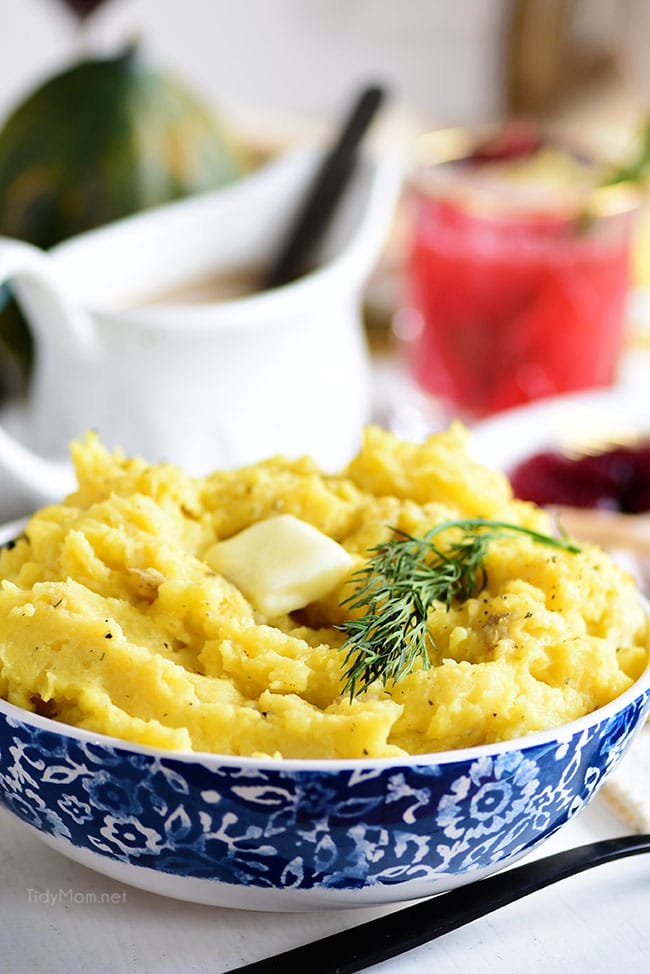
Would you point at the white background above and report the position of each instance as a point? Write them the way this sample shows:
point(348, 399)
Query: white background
point(300, 56)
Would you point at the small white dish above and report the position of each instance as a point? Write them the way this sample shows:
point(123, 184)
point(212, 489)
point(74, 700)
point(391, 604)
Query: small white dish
point(575, 425)
point(610, 415)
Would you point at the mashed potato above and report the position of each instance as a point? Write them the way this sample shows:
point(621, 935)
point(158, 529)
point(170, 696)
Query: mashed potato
point(111, 618)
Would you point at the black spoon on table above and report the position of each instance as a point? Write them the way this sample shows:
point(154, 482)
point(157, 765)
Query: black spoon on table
point(378, 940)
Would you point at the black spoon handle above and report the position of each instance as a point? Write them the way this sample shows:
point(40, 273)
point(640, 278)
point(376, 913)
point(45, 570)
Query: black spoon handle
point(378, 940)
point(329, 182)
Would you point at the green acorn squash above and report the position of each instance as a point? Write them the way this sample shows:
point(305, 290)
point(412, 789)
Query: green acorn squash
point(105, 138)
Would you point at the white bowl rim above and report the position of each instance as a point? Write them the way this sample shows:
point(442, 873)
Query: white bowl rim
point(558, 735)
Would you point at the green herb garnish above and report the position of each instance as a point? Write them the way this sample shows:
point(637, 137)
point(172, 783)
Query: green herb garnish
point(400, 583)
point(636, 170)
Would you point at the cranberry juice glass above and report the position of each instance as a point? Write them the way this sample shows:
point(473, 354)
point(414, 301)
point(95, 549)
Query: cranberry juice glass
point(513, 304)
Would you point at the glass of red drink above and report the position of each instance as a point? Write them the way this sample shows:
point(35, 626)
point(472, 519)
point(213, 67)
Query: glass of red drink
point(516, 284)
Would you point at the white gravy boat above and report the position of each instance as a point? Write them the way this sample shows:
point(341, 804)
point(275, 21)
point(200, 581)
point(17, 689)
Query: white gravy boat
point(202, 385)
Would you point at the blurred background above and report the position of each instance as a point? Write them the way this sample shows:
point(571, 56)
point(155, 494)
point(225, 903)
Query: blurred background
point(275, 62)
point(280, 72)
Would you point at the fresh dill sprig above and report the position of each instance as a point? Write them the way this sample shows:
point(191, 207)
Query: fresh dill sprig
point(404, 577)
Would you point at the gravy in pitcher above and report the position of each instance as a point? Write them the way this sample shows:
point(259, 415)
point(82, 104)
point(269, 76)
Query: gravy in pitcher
point(221, 286)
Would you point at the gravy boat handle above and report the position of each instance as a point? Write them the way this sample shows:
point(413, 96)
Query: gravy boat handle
point(53, 315)
point(54, 319)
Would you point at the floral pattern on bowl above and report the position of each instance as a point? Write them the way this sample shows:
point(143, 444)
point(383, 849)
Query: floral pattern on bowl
point(386, 831)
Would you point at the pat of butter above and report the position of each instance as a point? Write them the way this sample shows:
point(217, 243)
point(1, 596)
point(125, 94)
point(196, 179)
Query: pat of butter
point(281, 564)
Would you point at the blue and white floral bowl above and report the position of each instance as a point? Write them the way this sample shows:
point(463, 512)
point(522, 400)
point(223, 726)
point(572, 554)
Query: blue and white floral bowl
point(297, 835)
